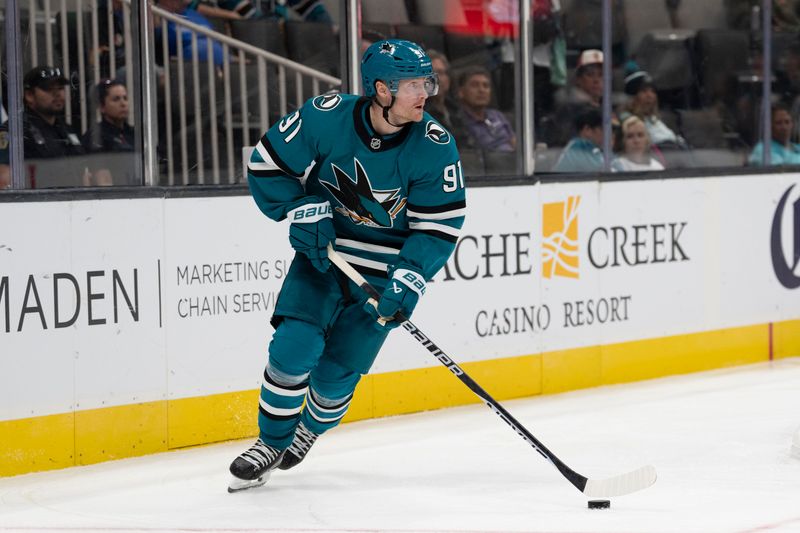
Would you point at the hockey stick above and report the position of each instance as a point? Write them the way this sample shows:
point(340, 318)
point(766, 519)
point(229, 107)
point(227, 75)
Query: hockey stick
point(633, 481)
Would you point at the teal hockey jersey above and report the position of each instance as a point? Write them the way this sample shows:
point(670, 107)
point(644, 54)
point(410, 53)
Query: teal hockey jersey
point(397, 200)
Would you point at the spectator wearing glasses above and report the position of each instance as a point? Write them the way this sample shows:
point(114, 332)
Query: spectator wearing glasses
point(782, 150)
point(45, 133)
point(486, 128)
point(112, 134)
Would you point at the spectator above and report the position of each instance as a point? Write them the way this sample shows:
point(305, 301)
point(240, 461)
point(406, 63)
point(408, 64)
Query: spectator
point(583, 153)
point(633, 142)
point(443, 106)
point(782, 150)
point(485, 127)
point(644, 104)
point(586, 90)
point(179, 7)
point(103, 52)
point(112, 134)
point(307, 10)
point(788, 84)
point(45, 133)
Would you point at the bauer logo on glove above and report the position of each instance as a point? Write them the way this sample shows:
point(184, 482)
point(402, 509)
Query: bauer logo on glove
point(310, 232)
point(311, 212)
point(399, 297)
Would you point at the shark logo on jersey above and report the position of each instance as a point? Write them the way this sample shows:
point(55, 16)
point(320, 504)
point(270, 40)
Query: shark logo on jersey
point(436, 133)
point(326, 102)
point(363, 204)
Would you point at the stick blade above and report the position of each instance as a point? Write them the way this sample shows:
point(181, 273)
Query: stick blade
point(633, 481)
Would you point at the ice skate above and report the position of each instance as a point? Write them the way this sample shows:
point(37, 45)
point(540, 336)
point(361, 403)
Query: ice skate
point(303, 440)
point(252, 468)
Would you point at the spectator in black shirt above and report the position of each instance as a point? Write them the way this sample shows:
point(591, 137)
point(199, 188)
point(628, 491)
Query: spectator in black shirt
point(45, 134)
point(112, 134)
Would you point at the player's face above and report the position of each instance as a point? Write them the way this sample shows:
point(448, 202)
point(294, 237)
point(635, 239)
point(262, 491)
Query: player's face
point(115, 107)
point(409, 100)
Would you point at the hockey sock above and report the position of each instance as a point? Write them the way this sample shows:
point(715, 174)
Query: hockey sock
point(322, 414)
point(279, 406)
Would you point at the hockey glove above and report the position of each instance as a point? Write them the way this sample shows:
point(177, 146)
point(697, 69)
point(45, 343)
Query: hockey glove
point(310, 232)
point(400, 295)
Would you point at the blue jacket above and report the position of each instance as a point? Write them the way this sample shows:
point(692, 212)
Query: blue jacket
point(580, 155)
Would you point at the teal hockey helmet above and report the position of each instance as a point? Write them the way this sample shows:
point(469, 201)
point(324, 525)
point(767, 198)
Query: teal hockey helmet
point(392, 60)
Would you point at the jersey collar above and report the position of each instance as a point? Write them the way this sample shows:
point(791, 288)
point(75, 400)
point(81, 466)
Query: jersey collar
point(366, 132)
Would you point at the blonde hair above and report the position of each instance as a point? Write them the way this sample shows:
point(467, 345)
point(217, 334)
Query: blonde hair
point(625, 127)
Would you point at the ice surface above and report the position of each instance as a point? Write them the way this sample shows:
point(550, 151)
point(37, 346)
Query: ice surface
point(720, 441)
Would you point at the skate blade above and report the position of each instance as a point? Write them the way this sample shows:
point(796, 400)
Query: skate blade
point(238, 485)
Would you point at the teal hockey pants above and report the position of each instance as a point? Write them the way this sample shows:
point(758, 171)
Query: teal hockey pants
point(316, 357)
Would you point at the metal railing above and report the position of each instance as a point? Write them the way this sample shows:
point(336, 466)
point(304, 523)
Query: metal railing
point(228, 117)
point(204, 109)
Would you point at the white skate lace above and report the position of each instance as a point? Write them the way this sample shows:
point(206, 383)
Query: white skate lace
point(260, 454)
point(303, 439)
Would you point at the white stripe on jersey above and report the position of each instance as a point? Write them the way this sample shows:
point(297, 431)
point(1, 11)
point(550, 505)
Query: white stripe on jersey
point(281, 391)
point(279, 411)
point(367, 247)
point(268, 164)
point(438, 216)
point(435, 227)
point(377, 265)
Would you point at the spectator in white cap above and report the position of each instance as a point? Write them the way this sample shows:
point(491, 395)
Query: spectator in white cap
point(644, 104)
point(586, 90)
point(589, 77)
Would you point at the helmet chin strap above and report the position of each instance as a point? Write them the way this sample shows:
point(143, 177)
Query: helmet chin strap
point(386, 113)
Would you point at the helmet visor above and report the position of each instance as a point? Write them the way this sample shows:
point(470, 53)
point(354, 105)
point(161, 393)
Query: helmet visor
point(415, 87)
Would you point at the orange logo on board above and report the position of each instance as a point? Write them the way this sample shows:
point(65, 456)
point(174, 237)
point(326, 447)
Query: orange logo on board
point(560, 238)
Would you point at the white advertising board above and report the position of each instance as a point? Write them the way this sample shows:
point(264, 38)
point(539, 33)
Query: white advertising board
point(119, 301)
point(79, 306)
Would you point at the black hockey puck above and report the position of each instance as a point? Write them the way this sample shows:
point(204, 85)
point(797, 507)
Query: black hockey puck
point(599, 504)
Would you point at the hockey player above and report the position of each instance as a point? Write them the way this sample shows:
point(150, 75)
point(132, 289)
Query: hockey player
point(382, 180)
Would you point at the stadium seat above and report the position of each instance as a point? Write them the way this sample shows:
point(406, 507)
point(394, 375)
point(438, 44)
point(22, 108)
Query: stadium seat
point(471, 162)
point(465, 49)
point(702, 128)
point(667, 56)
point(264, 34)
point(583, 26)
point(500, 163)
point(314, 45)
point(719, 55)
point(384, 11)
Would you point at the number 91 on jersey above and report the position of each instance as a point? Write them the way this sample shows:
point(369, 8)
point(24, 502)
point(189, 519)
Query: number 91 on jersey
point(453, 178)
